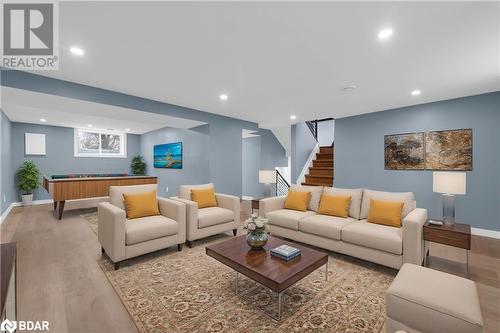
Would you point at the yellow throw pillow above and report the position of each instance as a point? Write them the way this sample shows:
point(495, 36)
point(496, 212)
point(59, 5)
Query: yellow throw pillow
point(297, 200)
point(334, 205)
point(385, 212)
point(141, 204)
point(204, 197)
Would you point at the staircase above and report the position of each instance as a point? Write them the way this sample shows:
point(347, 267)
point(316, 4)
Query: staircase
point(321, 171)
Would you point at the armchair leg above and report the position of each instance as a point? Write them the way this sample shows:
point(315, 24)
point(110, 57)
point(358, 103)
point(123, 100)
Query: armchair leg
point(235, 231)
point(179, 247)
point(189, 244)
point(102, 250)
point(117, 265)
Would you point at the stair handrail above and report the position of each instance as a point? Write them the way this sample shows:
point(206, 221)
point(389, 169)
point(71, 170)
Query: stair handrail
point(313, 127)
point(282, 185)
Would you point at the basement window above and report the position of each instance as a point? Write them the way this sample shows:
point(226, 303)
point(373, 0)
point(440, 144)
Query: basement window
point(100, 143)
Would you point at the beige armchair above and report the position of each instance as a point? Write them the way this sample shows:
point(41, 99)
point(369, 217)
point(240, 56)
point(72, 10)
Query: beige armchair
point(122, 239)
point(209, 221)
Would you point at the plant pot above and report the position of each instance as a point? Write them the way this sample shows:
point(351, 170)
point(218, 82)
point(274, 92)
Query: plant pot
point(27, 199)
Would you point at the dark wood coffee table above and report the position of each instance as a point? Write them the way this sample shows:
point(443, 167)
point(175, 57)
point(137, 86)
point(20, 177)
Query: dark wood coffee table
point(273, 273)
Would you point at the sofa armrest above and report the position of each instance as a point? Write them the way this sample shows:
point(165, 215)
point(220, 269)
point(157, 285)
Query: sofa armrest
point(413, 238)
point(111, 230)
point(191, 217)
point(176, 211)
point(230, 202)
point(271, 204)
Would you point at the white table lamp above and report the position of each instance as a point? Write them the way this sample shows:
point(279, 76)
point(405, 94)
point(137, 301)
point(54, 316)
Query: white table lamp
point(449, 184)
point(267, 177)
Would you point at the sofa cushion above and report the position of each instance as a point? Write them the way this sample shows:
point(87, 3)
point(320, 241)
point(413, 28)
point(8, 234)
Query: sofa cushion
point(405, 197)
point(148, 228)
point(214, 215)
point(325, 225)
point(356, 195)
point(385, 213)
point(185, 190)
point(432, 301)
point(334, 205)
point(204, 197)
point(315, 194)
point(141, 204)
point(297, 200)
point(375, 236)
point(287, 218)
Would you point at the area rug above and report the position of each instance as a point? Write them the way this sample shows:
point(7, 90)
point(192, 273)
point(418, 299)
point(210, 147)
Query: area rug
point(187, 291)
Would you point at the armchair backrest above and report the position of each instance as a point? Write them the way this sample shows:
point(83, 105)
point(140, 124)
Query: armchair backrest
point(116, 192)
point(185, 190)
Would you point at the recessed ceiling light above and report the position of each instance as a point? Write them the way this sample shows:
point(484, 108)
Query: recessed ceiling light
point(77, 51)
point(293, 117)
point(415, 92)
point(385, 33)
point(89, 125)
point(127, 129)
point(349, 88)
point(223, 97)
point(43, 120)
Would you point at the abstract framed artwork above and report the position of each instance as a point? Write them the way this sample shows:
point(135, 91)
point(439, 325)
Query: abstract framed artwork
point(404, 151)
point(168, 155)
point(449, 150)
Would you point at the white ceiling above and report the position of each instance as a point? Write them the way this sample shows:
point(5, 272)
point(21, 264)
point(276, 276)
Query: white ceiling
point(29, 107)
point(275, 59)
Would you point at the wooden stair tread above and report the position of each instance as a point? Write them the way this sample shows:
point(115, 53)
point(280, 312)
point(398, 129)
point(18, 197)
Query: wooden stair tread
point(321, 168)
point(319, 176)
point(317, 184)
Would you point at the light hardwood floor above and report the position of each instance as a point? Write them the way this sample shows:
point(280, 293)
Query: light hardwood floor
point(59, 279)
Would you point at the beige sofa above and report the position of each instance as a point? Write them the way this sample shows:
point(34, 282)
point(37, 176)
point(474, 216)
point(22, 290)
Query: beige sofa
point(122, 239)
point(204, 222)
point(352, 235)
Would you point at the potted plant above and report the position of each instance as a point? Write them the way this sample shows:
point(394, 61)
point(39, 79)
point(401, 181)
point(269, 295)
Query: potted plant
point(27, 180)
point(138, 166)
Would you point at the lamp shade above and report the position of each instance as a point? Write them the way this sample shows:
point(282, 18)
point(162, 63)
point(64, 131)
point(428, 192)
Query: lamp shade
point(448, 182)
point(267, 176)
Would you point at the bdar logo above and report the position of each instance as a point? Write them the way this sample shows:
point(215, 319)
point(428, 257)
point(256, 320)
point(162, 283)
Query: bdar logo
point(8, 326)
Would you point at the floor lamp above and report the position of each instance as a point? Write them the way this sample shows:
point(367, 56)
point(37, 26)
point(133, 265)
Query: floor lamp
point(267, 177)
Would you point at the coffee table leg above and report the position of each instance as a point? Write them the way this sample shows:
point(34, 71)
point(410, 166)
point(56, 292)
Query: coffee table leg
point(279, 306)
point(326, 271)
point(236, 284)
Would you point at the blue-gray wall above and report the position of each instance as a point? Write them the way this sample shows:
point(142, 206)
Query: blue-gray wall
point(7, 195)
point(263, 152)
point(224, 144)
point(59, 158)
point(251, 165)
point(359, 154)
point(303, 143)
point(195, 165)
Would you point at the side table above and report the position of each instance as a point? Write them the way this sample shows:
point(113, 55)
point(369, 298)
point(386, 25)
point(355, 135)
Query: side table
point(457, 235)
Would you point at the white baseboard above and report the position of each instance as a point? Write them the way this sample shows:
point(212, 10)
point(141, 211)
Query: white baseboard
point(485, 232)
point(7, 211)
point(70, 204)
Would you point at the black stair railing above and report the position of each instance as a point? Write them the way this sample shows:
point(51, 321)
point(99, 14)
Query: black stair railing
point(313, 127)
point(282, 185)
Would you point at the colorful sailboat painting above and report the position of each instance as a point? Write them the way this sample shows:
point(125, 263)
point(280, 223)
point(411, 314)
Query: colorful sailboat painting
point(168, 155)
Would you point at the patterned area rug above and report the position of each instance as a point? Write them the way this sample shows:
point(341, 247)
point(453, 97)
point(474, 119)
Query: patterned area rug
point(187, 291)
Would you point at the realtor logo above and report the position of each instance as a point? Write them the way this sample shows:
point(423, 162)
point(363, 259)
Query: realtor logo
point(8, 326)
point(30, 36)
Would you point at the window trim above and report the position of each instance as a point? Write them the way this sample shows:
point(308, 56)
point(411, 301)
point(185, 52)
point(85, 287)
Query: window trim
point(123, 145)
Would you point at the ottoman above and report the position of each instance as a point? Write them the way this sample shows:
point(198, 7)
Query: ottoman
point(423, 300)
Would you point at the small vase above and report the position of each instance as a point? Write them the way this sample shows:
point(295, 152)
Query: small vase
point(257, 240)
